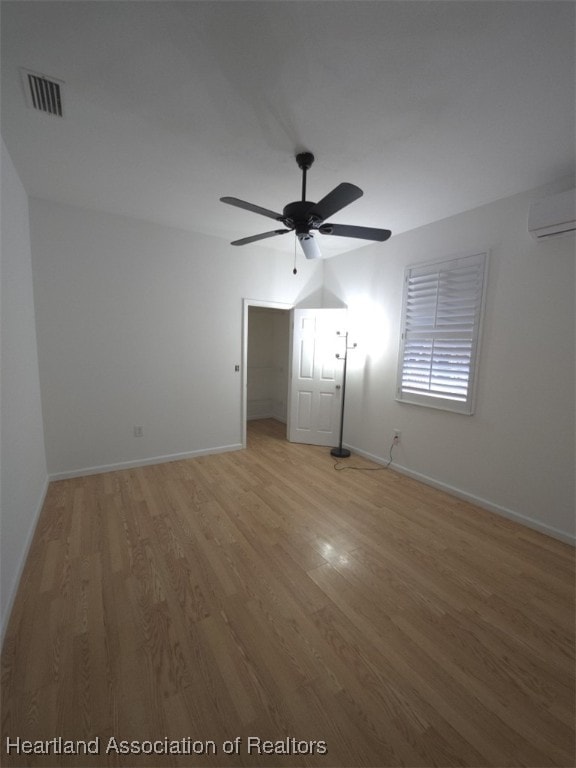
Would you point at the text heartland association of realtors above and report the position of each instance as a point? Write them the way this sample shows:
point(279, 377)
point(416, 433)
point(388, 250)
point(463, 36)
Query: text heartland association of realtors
point(252, 745)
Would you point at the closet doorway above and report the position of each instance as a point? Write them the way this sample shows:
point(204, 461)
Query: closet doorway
point(266, 361)
point(292, 370)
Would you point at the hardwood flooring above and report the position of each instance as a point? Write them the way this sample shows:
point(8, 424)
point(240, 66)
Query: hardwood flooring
point(349, 618)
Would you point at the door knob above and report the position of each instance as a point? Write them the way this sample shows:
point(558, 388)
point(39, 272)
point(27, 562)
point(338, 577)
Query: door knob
point(338, 386)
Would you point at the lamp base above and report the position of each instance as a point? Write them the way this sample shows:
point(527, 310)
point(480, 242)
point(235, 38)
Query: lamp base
point(340, 453)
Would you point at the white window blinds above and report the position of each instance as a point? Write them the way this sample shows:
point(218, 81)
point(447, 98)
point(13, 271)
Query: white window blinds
point(441, 319)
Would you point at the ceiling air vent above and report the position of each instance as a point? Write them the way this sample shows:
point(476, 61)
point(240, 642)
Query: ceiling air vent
point(43, 93)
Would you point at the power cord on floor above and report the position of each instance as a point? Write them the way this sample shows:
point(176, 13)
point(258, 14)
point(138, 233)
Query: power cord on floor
point(369, 469)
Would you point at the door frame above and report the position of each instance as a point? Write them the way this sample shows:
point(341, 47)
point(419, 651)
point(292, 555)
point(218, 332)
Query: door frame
point(246, 304)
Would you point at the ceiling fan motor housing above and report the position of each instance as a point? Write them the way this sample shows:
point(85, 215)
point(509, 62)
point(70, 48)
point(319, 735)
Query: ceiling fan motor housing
point(300, 216)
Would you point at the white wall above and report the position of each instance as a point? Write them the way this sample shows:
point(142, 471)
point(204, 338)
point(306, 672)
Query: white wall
point(516, 453)
point(268, 364)
point(141, 325)
point(23, 476)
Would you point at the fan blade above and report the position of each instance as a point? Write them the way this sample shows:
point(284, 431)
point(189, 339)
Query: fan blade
point(263, 236)
point(341, 196)
point(310, 246)
point(250, 207)
point(364, 233)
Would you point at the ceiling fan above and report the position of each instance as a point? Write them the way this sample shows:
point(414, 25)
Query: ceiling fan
point(306, 218)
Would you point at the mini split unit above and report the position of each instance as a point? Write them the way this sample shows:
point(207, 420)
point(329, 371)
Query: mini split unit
point(554, 216)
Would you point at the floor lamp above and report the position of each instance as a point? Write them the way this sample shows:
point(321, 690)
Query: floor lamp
point(339, 452)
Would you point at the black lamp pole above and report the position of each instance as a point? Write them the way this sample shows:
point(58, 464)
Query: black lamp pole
point(339, 452)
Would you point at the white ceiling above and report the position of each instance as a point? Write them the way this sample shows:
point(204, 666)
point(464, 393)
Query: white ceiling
point(431, 107)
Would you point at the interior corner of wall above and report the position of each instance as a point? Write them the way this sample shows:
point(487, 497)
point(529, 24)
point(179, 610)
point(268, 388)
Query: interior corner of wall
point(331, 301)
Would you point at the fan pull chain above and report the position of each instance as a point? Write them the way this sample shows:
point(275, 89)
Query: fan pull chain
point(295, 271)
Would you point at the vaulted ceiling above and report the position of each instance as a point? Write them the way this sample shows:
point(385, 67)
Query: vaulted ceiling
point(431, 107)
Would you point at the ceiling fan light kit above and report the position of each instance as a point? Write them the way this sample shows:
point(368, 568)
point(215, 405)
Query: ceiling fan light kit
point(304, 217)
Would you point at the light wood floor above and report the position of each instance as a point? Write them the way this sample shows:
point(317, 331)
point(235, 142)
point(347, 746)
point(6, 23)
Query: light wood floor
point(263, 594)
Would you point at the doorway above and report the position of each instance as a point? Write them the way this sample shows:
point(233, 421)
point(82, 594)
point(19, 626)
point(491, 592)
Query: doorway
point(265, 361)
point(267, 364)
point(292, 369)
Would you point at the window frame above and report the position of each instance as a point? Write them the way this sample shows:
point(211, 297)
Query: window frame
point(445, 271)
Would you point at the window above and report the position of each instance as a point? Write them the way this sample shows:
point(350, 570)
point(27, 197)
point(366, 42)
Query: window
point(441, 319)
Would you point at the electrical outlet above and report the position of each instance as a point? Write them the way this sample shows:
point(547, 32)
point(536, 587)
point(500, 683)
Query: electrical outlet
point(138, 431)
point(397, 435)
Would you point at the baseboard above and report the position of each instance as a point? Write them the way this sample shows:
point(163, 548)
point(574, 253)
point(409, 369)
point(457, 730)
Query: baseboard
point(22, 562)
point(518, 517)
point(267, 415)
point(142, 462)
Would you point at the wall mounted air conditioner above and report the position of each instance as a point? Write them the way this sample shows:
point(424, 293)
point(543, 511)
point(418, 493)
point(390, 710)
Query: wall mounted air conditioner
point(553, 216)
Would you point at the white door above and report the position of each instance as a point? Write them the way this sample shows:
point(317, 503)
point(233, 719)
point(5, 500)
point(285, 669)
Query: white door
point(315, 397)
